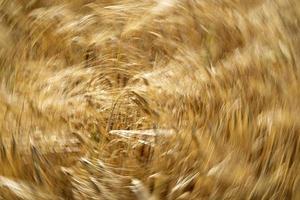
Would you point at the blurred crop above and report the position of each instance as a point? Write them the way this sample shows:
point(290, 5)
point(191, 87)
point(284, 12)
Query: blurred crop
point(149, 100)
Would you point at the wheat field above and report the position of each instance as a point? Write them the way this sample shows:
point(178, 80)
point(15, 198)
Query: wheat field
point(150, 99)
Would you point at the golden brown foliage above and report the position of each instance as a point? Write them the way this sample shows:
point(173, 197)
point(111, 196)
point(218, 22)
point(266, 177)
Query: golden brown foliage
point(166, 99)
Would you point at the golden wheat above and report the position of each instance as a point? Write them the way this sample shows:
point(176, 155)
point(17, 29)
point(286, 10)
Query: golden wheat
point(149, 100)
